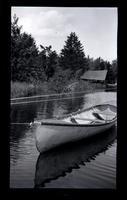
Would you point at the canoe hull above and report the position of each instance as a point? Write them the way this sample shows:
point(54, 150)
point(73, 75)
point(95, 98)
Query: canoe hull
point(53, 164)
point(50, 136)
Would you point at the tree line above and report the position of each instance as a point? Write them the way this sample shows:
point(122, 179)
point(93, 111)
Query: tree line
point(30, 64)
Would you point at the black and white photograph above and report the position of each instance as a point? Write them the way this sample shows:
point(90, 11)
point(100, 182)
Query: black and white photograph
point(63, 97)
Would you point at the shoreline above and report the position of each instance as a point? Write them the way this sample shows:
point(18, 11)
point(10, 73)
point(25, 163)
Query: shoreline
point(29, 90)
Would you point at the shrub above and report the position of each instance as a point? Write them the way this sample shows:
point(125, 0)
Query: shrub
point(21, 89)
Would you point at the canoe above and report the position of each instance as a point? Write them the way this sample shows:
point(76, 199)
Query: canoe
point(79, 125)
point(109, 85)
point(55, 163)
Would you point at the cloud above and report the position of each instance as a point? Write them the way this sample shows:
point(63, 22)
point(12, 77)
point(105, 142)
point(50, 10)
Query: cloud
point(52, 18)
point(50, 23)
point(48, 27)
point(95, 27)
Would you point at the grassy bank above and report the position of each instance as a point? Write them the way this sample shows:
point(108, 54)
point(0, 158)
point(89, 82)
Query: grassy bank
point(23, 89)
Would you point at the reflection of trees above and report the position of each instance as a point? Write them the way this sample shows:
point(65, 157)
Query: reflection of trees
point(30, 112)
point(73, 104)
point(17, 132)
point(59, 108)
point(23, 113)
point(20, 113)
point(55, 108)
point(22, 142)
point(49, 109)
point(45, 110)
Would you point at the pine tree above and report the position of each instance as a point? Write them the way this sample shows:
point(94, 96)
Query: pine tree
point(109, 77)
point(72, 55)
point(47, 61)
point(15, 37)
point(23, 54)
point(114, 68)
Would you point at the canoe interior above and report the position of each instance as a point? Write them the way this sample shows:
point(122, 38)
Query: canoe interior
point(54, 132)
point(99, 114)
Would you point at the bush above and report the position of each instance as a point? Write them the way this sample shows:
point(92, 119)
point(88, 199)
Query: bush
point(21, 89)
point(81, 86)
point(59, 82)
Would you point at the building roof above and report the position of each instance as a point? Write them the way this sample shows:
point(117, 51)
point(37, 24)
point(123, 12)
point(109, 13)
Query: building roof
point(94, 75)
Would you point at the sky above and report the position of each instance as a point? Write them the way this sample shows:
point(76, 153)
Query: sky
point(95, 27)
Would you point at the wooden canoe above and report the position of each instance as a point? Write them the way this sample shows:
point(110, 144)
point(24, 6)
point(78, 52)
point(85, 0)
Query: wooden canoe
point(55, 163)
point(79, 125)
point(111, 85)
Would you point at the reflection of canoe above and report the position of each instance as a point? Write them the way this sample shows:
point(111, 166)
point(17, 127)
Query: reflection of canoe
point(82, 124)
point(111, 85)
point(52, 164)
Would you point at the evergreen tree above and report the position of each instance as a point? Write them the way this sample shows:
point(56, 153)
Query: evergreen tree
point(109, 78)
point(23, 54)
point(52, 64)
point(102, 65)
point(72, 55)
point(97, 64)
point(114, 68)
point(15, 37)
point(48, 61)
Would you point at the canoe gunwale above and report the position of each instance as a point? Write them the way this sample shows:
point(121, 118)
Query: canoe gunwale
point(79, 125)
point(86, 109)
point(103, 123)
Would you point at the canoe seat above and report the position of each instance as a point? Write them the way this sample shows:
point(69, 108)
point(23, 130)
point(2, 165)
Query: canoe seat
point(98, 116)
point(73, 120)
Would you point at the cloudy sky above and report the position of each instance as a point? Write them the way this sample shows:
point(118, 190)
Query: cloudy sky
point(96, 28)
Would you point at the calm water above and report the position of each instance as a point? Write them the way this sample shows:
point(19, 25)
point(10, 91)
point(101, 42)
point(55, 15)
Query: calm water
point(86, 164)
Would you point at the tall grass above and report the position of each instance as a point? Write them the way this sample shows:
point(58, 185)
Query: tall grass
point(81, 86)
point(23, 89)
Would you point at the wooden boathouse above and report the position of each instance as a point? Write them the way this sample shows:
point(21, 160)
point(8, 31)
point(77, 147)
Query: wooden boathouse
point(95, 76)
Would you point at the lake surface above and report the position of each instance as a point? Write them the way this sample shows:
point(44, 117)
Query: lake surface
point(83, 164)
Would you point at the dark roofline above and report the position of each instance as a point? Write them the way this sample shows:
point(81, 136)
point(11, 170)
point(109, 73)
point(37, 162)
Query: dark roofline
point(94, 75)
